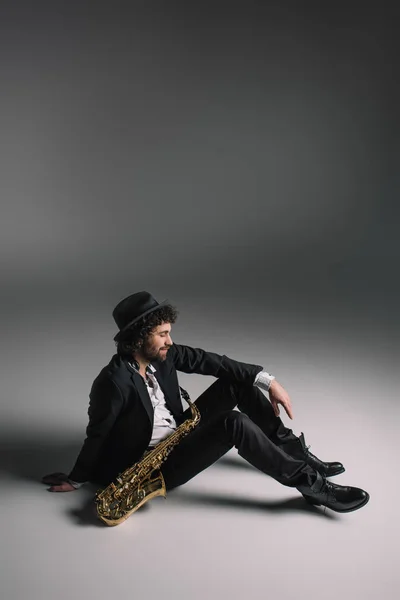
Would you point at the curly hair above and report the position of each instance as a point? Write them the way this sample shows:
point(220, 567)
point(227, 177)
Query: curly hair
point(135, 336)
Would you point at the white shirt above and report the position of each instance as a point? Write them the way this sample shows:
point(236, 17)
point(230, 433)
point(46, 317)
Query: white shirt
point(164, 422)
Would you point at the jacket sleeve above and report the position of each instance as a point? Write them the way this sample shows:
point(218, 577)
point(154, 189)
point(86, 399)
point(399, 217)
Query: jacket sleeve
point(196, 360)
point(105, 405)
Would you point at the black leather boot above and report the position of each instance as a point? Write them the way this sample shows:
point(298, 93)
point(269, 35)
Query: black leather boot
point(299, 449)
point(340, 498)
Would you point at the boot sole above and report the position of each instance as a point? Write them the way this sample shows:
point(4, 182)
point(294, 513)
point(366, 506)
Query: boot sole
point(345, 510)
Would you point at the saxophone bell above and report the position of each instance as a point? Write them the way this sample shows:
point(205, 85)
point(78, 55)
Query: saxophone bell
point(143, 481)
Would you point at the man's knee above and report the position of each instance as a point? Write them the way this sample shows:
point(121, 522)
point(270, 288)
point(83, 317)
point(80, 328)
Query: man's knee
point(236, 425)
point(236, 418)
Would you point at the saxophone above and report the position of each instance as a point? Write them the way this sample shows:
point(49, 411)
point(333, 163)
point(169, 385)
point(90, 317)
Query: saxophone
point(144, 480)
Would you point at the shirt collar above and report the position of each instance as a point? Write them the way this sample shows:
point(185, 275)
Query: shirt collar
point(135, 365)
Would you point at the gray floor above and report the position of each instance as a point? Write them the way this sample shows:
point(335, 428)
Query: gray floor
point(230, 531)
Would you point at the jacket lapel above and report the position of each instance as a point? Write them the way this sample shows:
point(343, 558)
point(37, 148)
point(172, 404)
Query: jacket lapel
point(143, 394)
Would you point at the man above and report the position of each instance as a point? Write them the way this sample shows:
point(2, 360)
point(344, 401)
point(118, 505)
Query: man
point(135, 403)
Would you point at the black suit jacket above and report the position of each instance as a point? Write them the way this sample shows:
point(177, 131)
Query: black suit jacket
point(121, 413)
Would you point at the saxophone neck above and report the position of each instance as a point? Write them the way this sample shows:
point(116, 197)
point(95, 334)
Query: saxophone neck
point(185, 395)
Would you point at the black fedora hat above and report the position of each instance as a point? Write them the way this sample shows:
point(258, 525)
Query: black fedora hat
point(133, 308)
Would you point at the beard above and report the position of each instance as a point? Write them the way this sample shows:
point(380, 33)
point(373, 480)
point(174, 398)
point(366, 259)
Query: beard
point(150, 352)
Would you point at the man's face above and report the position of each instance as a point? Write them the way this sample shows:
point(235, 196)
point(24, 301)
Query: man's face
point(157, 344)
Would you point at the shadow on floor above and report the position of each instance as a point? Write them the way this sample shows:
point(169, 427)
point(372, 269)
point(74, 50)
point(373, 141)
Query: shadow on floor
point(298, 504)
point(29, 456)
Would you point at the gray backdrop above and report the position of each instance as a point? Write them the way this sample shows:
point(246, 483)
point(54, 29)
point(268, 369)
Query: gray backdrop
point(238, 158)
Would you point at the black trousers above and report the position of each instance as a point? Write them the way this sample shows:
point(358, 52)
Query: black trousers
point(259, 436)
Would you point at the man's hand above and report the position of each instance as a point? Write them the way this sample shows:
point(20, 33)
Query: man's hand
point(278, 395)
point(58, 482)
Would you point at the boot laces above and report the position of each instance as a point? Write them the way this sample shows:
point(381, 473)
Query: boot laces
point(307, 451)
point(306, 448)
point(328, 491)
